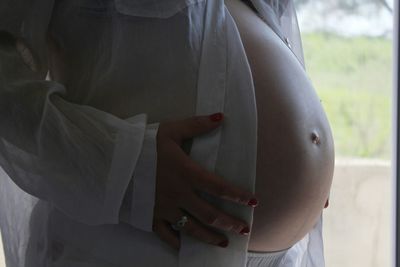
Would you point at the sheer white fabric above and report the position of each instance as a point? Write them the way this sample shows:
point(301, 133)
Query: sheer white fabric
point(280, 15)
point(78, 150)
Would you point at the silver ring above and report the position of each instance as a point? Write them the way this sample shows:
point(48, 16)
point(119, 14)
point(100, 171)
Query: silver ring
point(180, 224)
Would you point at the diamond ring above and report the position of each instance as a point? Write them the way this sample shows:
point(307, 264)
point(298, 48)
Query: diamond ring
point(180, 224)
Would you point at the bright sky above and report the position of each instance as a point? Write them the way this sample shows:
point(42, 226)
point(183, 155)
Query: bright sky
point(371, 22)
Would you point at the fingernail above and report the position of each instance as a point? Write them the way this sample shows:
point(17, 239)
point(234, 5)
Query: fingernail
point(216, 117)
point(245, 231)
point(223, 244)
point(253, 202)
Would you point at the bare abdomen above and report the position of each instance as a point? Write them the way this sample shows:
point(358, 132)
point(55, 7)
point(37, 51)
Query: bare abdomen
point(295, 154)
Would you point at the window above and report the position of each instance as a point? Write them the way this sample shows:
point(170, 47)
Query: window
point(348, 54)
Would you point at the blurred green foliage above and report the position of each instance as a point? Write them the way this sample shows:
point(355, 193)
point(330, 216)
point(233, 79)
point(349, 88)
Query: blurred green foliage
point(353, 78)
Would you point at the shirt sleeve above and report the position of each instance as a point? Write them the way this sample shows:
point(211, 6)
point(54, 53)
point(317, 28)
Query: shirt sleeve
point(138, 205)
point(78, 158)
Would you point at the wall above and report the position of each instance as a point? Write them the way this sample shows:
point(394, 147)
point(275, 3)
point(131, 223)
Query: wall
point(357, 222)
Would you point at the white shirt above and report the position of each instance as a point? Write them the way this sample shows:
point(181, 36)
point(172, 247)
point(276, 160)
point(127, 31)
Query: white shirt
point(72, 147)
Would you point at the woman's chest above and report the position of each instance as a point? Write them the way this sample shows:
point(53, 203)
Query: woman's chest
point(111, 51)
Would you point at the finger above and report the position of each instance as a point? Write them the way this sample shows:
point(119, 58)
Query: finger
point(217, 186)
point(166, 234)
point(209, 215)
point(203, 234)
point(198, 125)
point(209, 182)
point(26, 55)
point(197, 230)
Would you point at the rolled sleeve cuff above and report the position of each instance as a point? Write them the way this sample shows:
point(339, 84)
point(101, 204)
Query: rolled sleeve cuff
point(144, 182)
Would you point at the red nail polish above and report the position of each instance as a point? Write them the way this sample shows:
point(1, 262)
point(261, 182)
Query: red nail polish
point(253, 202)
point(216, 117)
point(245, 231)
point(223, 244)
point(326, 204)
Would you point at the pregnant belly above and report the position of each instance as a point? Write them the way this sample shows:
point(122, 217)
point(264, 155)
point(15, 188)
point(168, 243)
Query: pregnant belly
point(295, 155)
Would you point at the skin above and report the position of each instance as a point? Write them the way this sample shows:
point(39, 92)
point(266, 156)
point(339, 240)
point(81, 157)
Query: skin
point(295, 158)
point(294, 183)
point(178, 179)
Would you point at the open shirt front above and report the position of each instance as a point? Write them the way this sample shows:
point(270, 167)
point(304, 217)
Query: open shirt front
point(74, 145)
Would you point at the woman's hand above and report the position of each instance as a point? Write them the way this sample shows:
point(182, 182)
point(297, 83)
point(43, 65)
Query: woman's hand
point(178, 179)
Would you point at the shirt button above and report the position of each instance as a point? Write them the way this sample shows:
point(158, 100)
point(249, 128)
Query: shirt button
point(288, 43)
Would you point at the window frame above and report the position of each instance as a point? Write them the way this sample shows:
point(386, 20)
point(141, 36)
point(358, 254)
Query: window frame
point(396, 140)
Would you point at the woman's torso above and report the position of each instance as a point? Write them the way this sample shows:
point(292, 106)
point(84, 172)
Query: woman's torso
point(141, 76)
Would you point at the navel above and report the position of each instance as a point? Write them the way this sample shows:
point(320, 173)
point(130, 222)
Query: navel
point(315, 139)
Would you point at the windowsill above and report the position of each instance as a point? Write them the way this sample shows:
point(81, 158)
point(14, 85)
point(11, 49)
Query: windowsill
point(359, 207)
